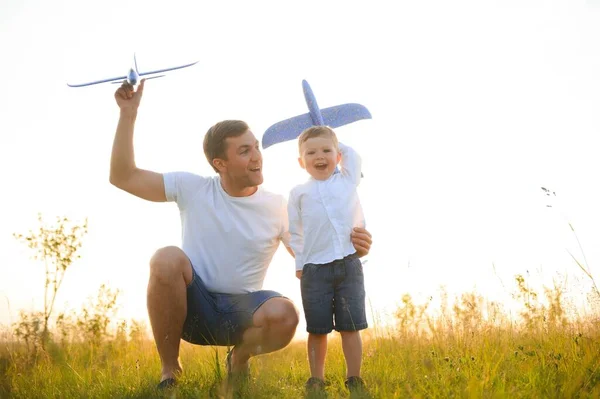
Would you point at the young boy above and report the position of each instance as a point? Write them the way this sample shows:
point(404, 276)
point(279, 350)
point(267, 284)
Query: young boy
point(322, 212)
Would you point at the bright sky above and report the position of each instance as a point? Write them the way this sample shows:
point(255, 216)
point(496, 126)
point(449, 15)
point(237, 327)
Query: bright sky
point(475, 104)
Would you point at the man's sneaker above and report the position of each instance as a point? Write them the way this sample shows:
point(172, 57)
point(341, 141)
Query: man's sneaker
point(166, 384)
point(355, 384)
point(235, 374)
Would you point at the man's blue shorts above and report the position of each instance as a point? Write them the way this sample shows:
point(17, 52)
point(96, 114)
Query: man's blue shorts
point(334, 291)
point(219, 319)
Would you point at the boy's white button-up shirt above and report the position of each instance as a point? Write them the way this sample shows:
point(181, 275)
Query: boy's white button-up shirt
point(322, 213)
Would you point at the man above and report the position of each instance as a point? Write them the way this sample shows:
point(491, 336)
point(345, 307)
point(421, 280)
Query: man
point(209, 291)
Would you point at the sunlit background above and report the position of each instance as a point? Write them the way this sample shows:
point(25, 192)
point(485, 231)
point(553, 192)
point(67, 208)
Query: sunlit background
point(475, 104)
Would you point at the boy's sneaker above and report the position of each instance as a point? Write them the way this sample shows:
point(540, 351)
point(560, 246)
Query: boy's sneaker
point(355, 385)
point(314, 384)
point(166, 384)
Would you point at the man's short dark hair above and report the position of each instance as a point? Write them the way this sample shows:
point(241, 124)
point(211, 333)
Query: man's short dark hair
point(214, 140)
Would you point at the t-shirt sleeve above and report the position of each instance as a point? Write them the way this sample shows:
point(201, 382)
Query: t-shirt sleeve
point(295, 228)
point(284, 235)
point(181, 187)
point(351, 163)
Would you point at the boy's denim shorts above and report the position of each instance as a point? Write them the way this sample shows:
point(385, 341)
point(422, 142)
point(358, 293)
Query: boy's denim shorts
point(333, 296)
point(219, 319)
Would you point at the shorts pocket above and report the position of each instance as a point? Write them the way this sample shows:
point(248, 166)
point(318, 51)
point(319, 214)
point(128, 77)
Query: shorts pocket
point(354, 267)
point(309, 269)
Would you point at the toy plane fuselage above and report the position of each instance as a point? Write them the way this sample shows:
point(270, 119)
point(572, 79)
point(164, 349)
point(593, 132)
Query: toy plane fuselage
point(133, 77)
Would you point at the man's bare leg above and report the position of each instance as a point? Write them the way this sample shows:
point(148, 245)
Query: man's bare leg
point(274, 327)
point(170, 274)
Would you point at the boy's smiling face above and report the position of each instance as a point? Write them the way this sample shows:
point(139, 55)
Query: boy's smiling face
point(319, 156)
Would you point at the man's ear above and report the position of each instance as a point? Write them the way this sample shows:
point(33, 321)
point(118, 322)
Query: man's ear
point(301, 163)
point(220, 164)
point(339, 157)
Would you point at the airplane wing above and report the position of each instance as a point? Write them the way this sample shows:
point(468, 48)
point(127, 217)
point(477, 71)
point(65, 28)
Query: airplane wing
point(333, 117)
point(120, 78)
point(151, 77)
point(286, 130)
point(168, 69)
point(345, 114)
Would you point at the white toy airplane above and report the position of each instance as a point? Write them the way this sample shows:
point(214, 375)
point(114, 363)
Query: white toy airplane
point(133, 76)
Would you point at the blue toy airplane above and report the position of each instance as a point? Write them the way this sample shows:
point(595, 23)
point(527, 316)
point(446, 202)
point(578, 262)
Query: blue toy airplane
point(133, 76)
point(333, 117)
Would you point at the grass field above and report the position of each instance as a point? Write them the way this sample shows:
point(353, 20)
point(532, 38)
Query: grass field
point(470, 349)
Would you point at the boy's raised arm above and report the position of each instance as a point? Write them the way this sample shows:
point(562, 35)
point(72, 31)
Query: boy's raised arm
point(124, 173)
point(351, 163)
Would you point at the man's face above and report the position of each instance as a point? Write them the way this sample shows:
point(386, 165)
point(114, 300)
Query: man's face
point(244, 160)
point(319, 156)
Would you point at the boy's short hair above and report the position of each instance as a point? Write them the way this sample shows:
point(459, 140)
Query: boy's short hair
point(317, 131)
point(214, 140)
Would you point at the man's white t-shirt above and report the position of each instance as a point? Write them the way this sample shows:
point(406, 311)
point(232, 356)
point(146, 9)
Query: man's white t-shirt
point(230, 241)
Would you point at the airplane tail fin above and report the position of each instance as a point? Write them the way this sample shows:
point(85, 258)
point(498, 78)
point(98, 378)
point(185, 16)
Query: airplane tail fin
point(154, 77)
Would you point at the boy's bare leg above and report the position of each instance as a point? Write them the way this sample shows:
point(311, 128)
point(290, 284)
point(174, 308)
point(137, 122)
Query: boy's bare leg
point(352, 346)
point(274, 327)
point(170, 274)
point(317, 350)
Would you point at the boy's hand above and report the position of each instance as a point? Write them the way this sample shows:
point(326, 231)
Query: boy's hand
point(361, 239)
point(299, 274)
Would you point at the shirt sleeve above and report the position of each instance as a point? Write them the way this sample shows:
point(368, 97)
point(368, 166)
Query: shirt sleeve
point(284, 235)
point(295, 228)
point(351, 163)
point(181, 187)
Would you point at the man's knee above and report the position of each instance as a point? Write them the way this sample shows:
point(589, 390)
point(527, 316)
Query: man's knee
point(281, 313)
point(169, 263)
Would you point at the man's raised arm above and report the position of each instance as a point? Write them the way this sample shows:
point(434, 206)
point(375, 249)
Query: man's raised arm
point(124, 174)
